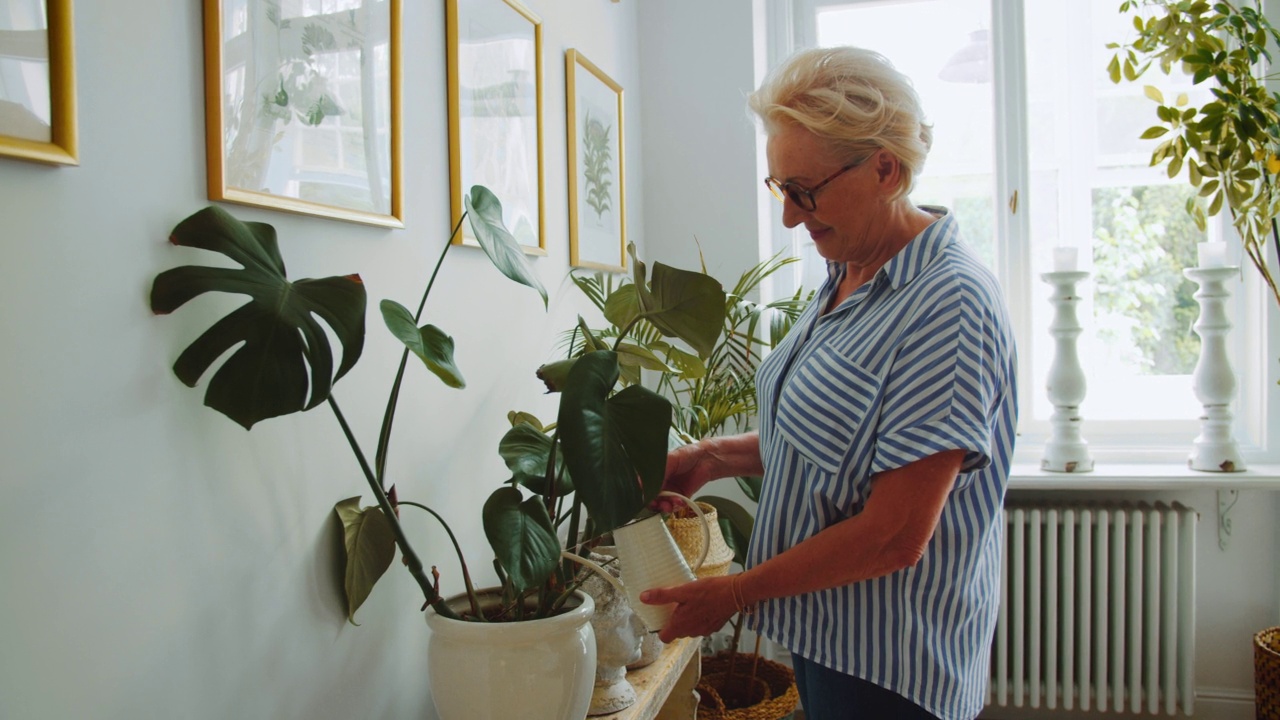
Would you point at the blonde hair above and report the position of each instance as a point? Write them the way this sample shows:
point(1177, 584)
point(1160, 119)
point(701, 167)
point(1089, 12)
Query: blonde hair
point(852, 98)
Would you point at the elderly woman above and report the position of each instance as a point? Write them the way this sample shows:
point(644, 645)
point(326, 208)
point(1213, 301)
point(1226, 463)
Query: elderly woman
point(887, 419)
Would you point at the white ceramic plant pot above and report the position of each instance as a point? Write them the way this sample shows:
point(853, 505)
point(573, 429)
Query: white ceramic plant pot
point(498, 671)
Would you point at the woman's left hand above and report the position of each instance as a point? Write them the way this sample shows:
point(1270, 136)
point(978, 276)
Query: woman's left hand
point(702, 607)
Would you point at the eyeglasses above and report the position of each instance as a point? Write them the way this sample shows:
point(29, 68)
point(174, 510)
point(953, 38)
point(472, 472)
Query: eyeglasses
point(800, 196)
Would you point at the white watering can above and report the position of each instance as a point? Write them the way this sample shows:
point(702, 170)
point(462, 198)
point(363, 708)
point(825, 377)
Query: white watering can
point(649, 558)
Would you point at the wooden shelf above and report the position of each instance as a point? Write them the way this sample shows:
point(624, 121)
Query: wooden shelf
point(664, 688)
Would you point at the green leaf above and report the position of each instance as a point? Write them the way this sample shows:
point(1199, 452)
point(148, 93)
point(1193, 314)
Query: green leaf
point(615, 447)
point(526, 449)
point(1216, 204)
point(370, 545)
point(485, 212)
point(637, 356)
point(555, 375)
point(522, 538)
point(1181, 100)
point(622, 306)
point(687, 365)
point(1113, 69)
point(686, 305)
point(429, 343)
point(516, 417)
point(1154, 131)
point(1154, 93)
point(277, 330)
point(682, 304)
point(750, 485)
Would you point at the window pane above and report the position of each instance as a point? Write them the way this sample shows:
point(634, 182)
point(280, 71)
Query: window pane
point(944, 46)
point(1093, 188)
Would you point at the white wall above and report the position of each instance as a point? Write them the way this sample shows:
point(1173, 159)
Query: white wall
point(157, 561)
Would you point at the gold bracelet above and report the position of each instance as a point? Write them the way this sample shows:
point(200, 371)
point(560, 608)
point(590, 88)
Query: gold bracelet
point(739, 598)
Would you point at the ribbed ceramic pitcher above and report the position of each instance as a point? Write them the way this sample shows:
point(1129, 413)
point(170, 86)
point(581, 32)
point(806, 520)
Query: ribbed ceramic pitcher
point(649, 558)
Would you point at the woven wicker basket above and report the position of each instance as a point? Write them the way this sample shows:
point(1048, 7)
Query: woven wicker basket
point(687, 530)
point(1266, 673)
point(779, 701)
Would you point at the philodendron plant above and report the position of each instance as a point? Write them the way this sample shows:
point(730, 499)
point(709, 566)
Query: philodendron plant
point(285, 364)
point(602, 462)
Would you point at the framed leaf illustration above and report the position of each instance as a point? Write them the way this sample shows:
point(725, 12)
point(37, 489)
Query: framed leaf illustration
point(597, 186)
point(302, 106)
point(37, 81)
point(495, 113)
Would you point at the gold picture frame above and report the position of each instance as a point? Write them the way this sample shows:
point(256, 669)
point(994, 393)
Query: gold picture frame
point(495, 114)
point(597, 183)
point(40, 124)
point(303, 113)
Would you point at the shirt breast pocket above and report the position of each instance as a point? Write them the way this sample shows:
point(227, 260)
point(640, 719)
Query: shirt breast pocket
point(825, 408)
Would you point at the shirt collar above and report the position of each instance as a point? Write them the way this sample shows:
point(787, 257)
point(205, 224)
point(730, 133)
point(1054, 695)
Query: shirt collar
point(918, 254)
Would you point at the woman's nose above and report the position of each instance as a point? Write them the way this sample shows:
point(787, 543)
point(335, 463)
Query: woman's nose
point(792, 215)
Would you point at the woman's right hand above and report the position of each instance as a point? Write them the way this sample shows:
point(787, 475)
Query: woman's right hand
point(689, 467)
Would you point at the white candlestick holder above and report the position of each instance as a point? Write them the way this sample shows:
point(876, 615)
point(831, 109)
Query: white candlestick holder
point(1066, 450)
point(1214, 381)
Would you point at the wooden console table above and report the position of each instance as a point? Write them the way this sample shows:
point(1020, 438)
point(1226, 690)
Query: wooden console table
point(664, 688)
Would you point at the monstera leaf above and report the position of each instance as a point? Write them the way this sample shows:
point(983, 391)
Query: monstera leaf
point(285, 363)
point(615, 447)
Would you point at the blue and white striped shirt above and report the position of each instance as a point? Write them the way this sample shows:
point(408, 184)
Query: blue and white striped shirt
point(917, 361)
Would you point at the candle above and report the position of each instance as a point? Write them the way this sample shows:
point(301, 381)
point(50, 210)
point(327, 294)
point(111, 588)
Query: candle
point(1212, 254)
point(1064, 259)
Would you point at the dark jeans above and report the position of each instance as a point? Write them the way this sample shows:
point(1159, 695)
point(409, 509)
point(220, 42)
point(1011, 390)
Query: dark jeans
point(826, 694)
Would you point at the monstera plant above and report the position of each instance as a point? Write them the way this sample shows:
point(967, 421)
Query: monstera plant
point(603, 462)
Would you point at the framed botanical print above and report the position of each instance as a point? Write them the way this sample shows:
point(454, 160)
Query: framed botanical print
point(495, 113)
point(597, 186)
point(37, 82)
point(302, 105)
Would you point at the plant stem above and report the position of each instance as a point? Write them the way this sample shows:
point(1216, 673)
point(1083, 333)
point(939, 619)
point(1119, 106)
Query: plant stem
point(466, 575)
point(384, 435)
point(410, 557)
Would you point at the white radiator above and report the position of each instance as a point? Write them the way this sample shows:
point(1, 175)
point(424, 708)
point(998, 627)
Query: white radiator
point(1097, 608)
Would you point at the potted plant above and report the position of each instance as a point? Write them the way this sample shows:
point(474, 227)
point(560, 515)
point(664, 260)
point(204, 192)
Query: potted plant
point(713, 395)
point(1228, 145)
point(601, 466)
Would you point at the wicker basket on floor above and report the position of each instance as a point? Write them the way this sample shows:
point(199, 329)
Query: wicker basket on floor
point(779, 701)
point(1266, 673)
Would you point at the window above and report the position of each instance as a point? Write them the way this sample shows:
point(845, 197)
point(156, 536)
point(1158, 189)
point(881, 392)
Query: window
point(1035, 148)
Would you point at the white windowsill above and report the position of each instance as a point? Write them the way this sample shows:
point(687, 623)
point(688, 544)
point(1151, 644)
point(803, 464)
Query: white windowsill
point(1157, 476)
